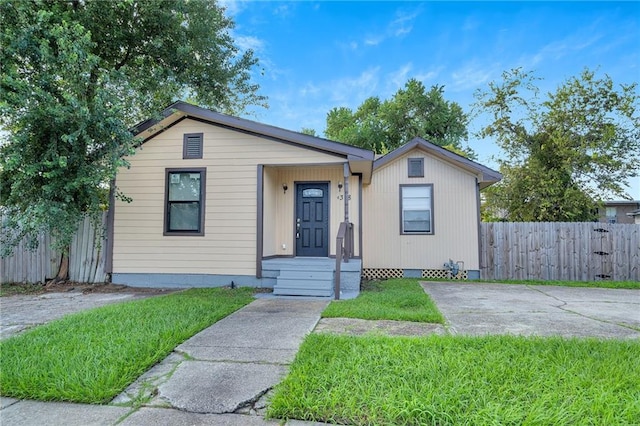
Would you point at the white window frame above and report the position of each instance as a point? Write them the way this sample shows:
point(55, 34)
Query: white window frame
point(427, 206)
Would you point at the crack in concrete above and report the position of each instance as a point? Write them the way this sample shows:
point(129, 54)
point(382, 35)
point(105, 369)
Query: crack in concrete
point(564, 303)
point(250, 403)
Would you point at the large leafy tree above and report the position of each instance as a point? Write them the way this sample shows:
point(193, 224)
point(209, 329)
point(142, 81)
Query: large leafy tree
point(77, 74)
point(411, 112)
point(565, 153)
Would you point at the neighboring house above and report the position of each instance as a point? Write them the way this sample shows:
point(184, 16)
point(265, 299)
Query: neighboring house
point(621, 211)
point(635, 216)
point(218, 199)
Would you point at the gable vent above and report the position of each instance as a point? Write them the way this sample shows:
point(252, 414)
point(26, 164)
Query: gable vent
point(192, 145)
point(416, 167)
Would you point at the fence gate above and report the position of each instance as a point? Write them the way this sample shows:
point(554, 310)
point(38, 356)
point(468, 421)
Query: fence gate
point(602, 254)
point(576, 251)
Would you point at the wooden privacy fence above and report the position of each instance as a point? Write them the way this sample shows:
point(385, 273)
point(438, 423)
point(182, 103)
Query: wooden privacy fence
point(581, 251)
point(86, 259)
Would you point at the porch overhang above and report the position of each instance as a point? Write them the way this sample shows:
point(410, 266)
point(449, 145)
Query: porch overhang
point(361, 166)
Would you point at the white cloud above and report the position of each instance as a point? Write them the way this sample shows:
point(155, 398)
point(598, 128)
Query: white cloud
point(472, 76)
point(309, 89)
point(403, 23)
point(249, 42)
point(283, 9)
point(399, 77)
point(352, 91)
point(233, 7)
point(373, 40)
point(429, 75)
point(399, 26)
point(559, 49)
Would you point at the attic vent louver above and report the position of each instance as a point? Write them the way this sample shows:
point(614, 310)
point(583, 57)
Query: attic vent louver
point(416, 167)
point(192, 145)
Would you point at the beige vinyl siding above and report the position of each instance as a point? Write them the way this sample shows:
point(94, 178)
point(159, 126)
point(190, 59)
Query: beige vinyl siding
point(455, 217)
point(229, 244)
point(284, 208)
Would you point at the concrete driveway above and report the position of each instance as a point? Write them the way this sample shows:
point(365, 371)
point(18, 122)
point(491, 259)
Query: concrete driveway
point(479, 309)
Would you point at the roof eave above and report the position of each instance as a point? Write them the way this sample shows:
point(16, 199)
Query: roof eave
point(179, 110)
point(486, 176)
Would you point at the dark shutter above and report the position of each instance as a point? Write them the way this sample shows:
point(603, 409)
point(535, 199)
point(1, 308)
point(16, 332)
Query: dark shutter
point(416, 167)
point(192, 145)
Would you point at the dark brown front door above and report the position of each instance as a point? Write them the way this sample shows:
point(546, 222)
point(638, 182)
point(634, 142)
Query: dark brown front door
point(312, 219)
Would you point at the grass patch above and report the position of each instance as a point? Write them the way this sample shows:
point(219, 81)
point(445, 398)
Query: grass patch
point(632, 285)
point(396, 299)
point(445, 380)
point(92, 356)
point(12, 289)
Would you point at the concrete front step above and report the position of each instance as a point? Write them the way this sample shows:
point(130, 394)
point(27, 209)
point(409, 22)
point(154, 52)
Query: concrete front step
point(306, 274)
point(304, 282)
point(302, 291)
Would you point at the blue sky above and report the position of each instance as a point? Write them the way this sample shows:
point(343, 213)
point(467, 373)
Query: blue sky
point(317, 55)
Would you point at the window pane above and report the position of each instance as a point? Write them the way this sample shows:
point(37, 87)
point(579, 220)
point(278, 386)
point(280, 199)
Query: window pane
point(184, 216)
point(417, 221)
point(416, 209)
point(312, 193)
point(184, 186)
point(416, 167)
point(416, 203)
point(416, 191)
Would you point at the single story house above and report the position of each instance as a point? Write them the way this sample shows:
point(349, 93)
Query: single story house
point(618, 211)
point(217, 200)
point(635, 216)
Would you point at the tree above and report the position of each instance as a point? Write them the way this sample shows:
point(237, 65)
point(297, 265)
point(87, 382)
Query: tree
point(76, 75)
point(563, 154)
point(411, 112)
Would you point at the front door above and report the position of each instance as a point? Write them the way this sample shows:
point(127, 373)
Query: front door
point(312, 219)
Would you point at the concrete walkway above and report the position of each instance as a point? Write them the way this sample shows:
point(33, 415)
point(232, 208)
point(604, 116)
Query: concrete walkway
point(221, 376)
point(479, 309)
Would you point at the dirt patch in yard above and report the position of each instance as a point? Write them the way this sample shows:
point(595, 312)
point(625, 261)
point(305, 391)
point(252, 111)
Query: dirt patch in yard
point(359, 327)
point(13, 289)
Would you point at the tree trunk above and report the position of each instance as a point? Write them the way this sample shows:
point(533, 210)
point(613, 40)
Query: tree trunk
point(63, 269)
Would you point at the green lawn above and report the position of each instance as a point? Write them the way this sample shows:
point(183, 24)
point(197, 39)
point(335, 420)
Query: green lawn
point(447, 380)
point(92, 356)
point(396, 299)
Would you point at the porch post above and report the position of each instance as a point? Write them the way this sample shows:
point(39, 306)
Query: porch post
point(347, 174)
point(259, 220)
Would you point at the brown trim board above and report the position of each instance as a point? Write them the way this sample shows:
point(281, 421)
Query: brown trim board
point(259, 220)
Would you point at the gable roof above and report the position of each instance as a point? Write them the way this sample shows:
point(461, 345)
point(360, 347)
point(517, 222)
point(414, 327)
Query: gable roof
point(360, 160)
point(630, 203)
point(487, 176)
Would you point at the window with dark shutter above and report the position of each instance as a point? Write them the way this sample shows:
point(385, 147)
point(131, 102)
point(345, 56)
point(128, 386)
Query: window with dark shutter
point(416, 167)
point(192, 146)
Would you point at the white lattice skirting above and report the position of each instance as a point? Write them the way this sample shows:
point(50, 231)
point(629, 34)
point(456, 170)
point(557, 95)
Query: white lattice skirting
point(386, 273)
